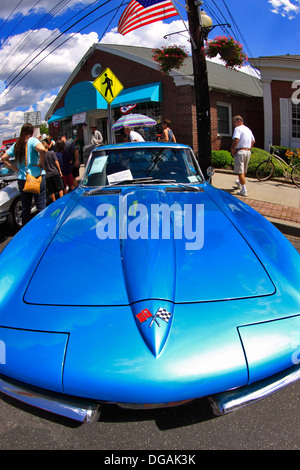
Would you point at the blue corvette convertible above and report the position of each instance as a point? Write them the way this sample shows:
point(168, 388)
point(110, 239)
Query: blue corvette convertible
point(147, 287)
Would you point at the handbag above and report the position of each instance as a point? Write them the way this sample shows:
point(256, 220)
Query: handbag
point(32, 183)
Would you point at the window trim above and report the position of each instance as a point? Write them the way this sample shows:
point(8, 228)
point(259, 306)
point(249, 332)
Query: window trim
point(294, 138)
point(229, 106)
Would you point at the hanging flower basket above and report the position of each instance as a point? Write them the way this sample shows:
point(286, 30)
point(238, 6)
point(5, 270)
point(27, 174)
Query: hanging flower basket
point(230, 51)
point(169, 58)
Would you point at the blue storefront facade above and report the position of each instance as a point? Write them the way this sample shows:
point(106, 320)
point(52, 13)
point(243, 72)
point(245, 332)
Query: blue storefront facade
point(79, 105)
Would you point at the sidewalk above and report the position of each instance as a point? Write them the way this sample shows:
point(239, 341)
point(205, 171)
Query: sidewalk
point(278, 201)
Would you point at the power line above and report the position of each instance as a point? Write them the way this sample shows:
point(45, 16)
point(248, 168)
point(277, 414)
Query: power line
point(219, 19)
point(35, 29)
point(236, 34)
point(19, 22)
point(11, 13)
point(237, 28)
point(48, 37)
point(72, 35)
point(37, 55)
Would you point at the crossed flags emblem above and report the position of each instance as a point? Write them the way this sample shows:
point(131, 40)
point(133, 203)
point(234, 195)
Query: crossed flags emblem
point(161, 313)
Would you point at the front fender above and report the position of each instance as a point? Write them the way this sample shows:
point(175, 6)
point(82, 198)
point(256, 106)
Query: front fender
point(9, 193)
point(276, 253)
point(20, 257)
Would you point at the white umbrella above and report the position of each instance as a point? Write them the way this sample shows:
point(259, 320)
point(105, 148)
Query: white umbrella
point(133, 120)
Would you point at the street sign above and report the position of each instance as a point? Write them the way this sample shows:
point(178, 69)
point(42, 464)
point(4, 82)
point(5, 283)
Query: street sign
point(108, 85)
point(33, 117)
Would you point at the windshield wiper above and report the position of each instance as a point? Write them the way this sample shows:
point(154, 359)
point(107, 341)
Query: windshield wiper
point(185, 187)
point(102, 191)
point(146, 180)
point(107, 190)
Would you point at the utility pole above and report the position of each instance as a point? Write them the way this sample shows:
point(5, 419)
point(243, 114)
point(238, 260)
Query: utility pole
point(198, 32)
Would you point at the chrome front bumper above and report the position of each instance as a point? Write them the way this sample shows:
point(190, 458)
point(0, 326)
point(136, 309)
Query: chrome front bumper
point(69, 407)
point(86, 411)
point(232, 400)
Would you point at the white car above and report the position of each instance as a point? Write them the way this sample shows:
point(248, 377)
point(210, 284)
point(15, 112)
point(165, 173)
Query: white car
point(10, 203)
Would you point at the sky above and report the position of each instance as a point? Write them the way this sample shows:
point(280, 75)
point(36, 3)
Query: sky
point(42, 41)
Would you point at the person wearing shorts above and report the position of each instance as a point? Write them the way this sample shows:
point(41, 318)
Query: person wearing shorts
point(242, 142)
point(67, 160)
point(53, 173)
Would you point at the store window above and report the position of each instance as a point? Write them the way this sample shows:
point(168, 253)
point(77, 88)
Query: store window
point(66, 128)
point(224, 117)
point(151, 109)
point(296, 121)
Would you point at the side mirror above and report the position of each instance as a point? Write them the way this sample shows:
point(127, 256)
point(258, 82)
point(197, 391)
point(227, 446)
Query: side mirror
point(210, 172)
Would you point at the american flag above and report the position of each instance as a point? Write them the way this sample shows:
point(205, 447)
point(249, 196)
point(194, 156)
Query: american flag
point(144, 12)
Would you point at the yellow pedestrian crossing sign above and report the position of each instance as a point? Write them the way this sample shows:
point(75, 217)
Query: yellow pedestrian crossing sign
point(108, 85)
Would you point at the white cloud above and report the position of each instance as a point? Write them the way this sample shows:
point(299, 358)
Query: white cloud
point(285, 7)
point(38, 89)
point(43, 6)
point(34, 90)
point(151, 35)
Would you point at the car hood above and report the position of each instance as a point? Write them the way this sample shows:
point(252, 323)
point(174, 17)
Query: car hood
point(193, 254)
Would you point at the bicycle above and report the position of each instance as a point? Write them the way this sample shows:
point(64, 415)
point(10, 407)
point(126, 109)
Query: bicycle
point(265, 170)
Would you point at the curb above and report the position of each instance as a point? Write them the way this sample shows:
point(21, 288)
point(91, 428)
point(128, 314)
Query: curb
point(287, 229)
point(288, 217)
point(277, 179)
point(284, 217)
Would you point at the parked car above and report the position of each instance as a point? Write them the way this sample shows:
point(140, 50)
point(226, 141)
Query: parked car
point(10, 204)
point(180, 291)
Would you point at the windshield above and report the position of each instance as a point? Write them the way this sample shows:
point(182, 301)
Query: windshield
point(168, 164)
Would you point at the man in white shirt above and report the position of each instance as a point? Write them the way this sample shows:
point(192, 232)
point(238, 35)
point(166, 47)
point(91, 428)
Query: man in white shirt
point(242, 142)
point(133, 136)
point(96, 138)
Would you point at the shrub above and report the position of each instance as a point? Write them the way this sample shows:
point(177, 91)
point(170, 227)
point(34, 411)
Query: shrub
point(224, 159)
point(221, 159)
point(258, 156)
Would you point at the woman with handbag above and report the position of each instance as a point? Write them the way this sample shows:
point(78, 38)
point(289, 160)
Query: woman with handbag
point(29, 155)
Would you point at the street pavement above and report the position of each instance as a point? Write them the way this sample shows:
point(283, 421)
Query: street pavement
point(276, 199)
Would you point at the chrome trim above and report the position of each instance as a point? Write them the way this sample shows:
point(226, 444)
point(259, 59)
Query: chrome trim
point(226, 402)
point(153, 406)
point(69, 407)
point(89, 412)
point(3, 216)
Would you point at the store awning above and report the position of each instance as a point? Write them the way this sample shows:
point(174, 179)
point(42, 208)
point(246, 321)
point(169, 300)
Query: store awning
point(138, 94)
point(84, 97)
point(58, 115)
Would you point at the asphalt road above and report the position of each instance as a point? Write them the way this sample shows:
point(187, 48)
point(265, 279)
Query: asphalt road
point(270, 424)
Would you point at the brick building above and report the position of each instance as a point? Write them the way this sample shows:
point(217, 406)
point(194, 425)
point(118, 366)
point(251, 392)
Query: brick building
point(79, 105)
point(280, 76)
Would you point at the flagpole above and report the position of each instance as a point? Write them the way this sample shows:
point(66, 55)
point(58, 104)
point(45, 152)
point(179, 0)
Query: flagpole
point(186, 28)
point(109, 123)
point(202, 101)
point(198, 33)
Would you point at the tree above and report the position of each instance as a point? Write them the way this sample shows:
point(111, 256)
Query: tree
point(44, 129)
